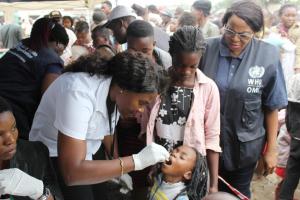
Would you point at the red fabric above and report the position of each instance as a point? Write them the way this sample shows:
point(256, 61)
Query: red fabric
point(280, 171)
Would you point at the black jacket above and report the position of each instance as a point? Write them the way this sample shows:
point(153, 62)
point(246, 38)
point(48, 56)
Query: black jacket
point(33, 158)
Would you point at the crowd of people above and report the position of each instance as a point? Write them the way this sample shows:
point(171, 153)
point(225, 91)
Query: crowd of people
point(144, 103)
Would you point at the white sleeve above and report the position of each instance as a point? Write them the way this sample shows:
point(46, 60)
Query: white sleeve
point(73, 112)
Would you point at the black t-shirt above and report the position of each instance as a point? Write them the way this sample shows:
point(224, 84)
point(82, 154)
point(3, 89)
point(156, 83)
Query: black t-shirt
point(21, 73)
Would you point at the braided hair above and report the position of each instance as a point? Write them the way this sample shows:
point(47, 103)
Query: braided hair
point(196, 188)
point(187, 39)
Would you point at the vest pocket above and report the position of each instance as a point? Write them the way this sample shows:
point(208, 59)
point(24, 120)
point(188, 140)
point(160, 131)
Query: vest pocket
point(251, 114)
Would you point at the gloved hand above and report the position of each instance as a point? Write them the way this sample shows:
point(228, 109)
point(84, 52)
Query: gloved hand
point(150, 155)
point(16, 182)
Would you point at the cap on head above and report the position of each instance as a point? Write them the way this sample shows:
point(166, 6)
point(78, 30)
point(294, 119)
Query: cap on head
point(55, 14)
point(166, 13)
point(119, 12)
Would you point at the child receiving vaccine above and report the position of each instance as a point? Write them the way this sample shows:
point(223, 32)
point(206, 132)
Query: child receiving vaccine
point(182, 177)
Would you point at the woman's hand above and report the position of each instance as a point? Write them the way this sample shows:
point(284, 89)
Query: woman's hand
point(270, 161)
point(150, 155)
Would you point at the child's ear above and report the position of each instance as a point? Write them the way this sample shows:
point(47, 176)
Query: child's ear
point(187, 175)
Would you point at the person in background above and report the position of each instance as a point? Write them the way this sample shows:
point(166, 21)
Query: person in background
point(83, 44)
point(154, 15)
point(10, 35)
point(292, 175)
point(56, 16)
point(251, 83)
point(187, 19)
point(27, 70)
point(106, 7)
point(68, 22)
point(290, 28)
point(201, 10)
point(166, 17)
point(119, 20)
point(101, 36)
point(25, 168)
point(178, 12)
point(99, 19)
point(83, 106)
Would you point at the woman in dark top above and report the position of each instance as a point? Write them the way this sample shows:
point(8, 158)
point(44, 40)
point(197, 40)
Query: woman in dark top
point(28, 69)
point(25, 168)
point(249, 76)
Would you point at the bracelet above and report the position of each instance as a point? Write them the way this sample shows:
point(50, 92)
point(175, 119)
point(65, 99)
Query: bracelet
point(122, 166)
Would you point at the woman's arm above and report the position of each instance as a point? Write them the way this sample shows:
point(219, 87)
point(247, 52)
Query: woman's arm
point(48, 79)
point(78, 171)
point(270, 156)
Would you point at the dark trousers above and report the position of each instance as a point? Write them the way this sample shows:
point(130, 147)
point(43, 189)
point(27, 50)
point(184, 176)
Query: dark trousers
point(291, 179)
point(239, 179)
point(84, 192)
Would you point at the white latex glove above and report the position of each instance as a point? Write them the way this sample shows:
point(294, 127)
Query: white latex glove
point(150, 155)
point(16, 182)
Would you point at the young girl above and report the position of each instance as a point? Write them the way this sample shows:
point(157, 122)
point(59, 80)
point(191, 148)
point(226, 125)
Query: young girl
point(189, 113)
point(183, 177)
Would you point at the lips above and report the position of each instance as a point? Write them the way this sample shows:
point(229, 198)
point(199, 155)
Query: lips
point(235, 46)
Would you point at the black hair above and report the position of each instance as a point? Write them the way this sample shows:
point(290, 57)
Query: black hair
point(132, 71)
point(40, 33)
point(203, 5)
point(102, 31)
point(99, 16)
point(196, 188)
point(82, 26)
point(248, 11)
point(69, 18)
point(153, 9)
point(187, 19)
point(140, 28)
point(284, 6)
point(139, 10)
point(4, 106)
point(187, 39)
point(107, 3)
point(59, 34)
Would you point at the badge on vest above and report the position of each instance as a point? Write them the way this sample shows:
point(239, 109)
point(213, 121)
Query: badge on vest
point(255, 79)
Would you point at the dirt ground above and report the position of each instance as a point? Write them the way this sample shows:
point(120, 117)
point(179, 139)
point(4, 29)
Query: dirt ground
point(263, 188)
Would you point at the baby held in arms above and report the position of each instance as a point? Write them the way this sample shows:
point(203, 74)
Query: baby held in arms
point(183, 177)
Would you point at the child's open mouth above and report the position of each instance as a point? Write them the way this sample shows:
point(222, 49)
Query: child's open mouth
point(168, 162)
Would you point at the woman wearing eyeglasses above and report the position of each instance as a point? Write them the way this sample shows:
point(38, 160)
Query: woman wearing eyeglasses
point(252, 88)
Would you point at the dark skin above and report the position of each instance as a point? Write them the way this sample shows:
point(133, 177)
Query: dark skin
point(8, 140)
point(72, 152)
point(119, 29)
point(236, 45)
point(183, 73)
point(288, 17)
point(144, 44)
point(180, 166)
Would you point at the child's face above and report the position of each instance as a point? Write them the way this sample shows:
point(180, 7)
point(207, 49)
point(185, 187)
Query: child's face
point(181, 164)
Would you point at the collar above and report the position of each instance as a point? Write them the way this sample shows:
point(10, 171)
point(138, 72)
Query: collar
point(201, 77)
point(102, 93)
point(225, 52)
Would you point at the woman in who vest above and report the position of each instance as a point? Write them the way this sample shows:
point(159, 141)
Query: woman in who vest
point(250, 80)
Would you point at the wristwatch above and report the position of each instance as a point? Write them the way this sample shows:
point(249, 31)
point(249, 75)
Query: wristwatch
point(45, 195)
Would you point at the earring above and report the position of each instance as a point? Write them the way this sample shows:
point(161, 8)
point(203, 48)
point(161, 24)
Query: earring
point(121, 91)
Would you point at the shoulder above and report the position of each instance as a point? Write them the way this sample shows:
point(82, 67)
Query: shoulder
point(164, 56)
point(83, 82)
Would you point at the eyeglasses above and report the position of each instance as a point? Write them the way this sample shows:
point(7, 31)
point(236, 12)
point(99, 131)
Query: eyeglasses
point(243, 36)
